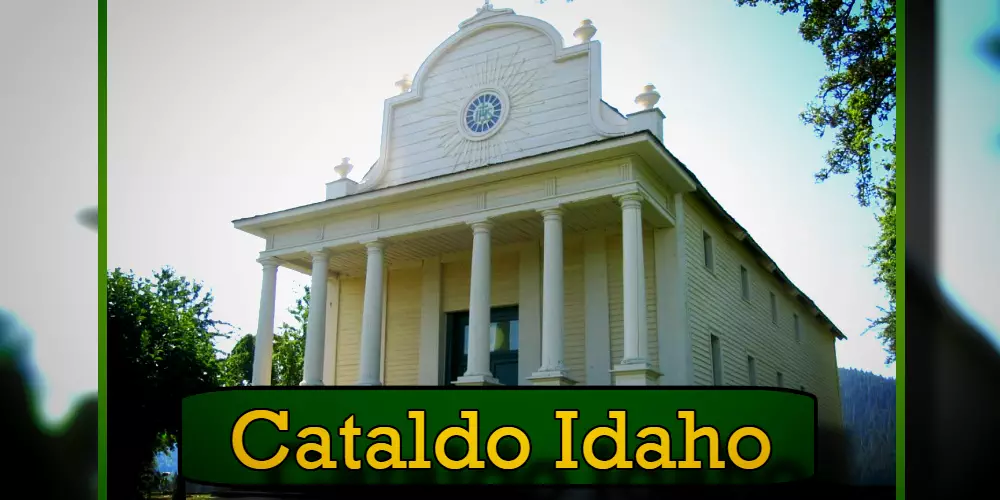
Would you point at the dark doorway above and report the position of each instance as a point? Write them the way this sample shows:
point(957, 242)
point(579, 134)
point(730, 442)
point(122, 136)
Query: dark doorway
point(503, 345)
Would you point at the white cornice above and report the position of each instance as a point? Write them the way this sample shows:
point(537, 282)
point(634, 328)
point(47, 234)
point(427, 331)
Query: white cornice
point(641, 144)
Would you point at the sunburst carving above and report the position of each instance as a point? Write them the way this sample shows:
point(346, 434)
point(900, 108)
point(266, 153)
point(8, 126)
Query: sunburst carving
point(520, 84)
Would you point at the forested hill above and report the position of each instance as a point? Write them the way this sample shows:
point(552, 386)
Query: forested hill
point(869, 403)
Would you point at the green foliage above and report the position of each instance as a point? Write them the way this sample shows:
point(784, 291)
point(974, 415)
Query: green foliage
point(160, 334)
point(869, 409)
point(857, 100)
point(237, 366)
point(290, 344)
point(288, 354)
point(884, 261)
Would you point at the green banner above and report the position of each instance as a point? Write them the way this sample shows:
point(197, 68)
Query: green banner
point(288, 437)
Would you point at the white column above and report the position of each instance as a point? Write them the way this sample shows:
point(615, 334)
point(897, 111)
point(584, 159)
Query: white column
point(478, 371)
point(634, 368)
point(671, 291)
point(552, 371)
point(552, 292)
point(312, 372)
point(264, 343)
point(371, 319)
point(634, 281)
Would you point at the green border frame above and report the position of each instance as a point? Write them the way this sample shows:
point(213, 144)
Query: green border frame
point(901, 249)
point(102, 249)
point(102, 255)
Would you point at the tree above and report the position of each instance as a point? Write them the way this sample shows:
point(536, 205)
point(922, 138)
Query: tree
point(884, 261)
point(869, 407)
point(160, 338)
point(289, 344)
point(288, 354)
point(857, 100)
point(237, 366)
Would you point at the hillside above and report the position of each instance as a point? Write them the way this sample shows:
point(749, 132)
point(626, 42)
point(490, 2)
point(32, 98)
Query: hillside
point(869, 404)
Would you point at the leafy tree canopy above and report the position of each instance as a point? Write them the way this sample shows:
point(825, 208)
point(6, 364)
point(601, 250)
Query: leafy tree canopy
point(237, 366)
point(884, 261)
point(161, 335)
point(858, 94)
point(290, 344)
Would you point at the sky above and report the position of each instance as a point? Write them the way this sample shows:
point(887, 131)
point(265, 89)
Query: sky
point(219, 111)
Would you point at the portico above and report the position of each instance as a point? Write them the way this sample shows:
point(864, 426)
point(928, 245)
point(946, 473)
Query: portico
point(523, 216)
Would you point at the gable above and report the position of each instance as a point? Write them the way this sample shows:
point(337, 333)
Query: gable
point(545, 96)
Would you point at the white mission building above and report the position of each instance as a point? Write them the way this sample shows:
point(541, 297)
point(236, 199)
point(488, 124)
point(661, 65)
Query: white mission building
point(518, 230)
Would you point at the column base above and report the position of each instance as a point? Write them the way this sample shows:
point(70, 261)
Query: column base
point(551, 378)
point(311, 383)
point(635, 374)
point(369, 384)
point(476, 380)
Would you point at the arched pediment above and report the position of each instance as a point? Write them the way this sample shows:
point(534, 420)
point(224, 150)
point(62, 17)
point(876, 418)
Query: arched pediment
point(502, 87)
point(490, 23)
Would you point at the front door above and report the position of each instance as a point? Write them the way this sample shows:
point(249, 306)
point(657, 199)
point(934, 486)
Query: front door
point(503, 345)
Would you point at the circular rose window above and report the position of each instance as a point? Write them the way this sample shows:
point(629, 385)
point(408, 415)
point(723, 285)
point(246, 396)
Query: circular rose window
point(484, 114)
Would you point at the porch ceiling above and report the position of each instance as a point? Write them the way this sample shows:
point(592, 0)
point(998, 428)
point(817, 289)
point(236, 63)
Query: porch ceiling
point(515, 228)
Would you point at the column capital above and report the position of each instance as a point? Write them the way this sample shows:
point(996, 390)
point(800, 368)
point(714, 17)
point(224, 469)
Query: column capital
point(555, 212)
point(269, 262)
point(481, 226)
point(374, 245)
point(629, 200)
point(320, 255)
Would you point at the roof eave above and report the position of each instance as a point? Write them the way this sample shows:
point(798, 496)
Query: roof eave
point(681, 174)
point(755, 248)
point(748, 240)
point(258, 224)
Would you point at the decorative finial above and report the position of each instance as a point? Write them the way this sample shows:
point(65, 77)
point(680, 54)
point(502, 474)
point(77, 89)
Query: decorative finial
point(586, 31)
point(486, 6)
point(404, 84)
point(648, 98)
point(344, 168)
